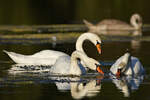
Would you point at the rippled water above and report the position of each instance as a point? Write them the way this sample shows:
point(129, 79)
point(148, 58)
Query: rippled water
point(93, 86)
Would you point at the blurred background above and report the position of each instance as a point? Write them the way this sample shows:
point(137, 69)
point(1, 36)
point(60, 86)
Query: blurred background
point(44, 12)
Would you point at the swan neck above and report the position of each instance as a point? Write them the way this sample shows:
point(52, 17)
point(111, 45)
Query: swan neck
point(136, 21)
point(79, 43)
point(86, 36)
point(75, 69)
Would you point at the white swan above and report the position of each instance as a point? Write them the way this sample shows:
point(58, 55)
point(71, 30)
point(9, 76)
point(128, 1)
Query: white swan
point(49, 57)
point(70, 66)
point(127, 65)
point(65, 65)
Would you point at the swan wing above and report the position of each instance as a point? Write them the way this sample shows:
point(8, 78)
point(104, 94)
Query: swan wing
point(48, 54)
point(62, 65)
point(136, 67)
point(40, 58)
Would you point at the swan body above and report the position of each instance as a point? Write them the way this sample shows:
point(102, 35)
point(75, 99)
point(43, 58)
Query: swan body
point(128, 65)
point(49, 57)
point(65, 65)
point(70, 66)
point(115, 25)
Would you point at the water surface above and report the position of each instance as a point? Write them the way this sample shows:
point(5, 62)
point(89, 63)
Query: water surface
point(93, 86)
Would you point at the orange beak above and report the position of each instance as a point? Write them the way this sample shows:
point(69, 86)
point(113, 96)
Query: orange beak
point(99, 69)
point(98, 46)
point(118, 73)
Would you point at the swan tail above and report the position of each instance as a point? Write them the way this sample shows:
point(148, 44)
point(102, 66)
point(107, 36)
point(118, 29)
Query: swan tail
point(5, 51)
point(14, 56)
point(87, 23)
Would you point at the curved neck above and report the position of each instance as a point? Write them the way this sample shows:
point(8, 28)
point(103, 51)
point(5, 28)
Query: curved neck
point(75, 68)
point(136, 21)
point(86, 36)
point(79, 43)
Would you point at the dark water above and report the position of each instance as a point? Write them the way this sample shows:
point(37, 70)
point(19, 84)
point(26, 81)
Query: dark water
point(31, 12)
point(43, 86)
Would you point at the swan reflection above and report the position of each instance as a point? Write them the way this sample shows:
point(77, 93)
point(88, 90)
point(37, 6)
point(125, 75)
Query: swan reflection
point(127, 84)
point(78, 87)
point(121, 32)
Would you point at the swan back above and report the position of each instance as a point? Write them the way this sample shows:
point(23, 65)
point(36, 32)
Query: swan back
point(136, 21)
point(86, 36)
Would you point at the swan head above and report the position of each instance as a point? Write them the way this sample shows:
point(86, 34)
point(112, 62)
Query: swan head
point(94, 65)
point(95, 39)
point(136, 21)
point(123, 64)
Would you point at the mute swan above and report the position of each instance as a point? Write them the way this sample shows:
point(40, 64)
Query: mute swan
point(49, 57)
point(127, 65)
point(69, 66)
point(65, 65)
point(113, 25)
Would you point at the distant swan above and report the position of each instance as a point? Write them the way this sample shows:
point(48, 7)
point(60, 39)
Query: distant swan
point(49, 57)
point(127, 65)
point(113, 25)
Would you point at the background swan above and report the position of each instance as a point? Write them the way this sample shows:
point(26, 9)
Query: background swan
point(49, 57)
point(113, 25)
point(127, 65)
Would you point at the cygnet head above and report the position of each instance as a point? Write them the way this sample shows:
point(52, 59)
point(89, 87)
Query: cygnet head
point(136, 21)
